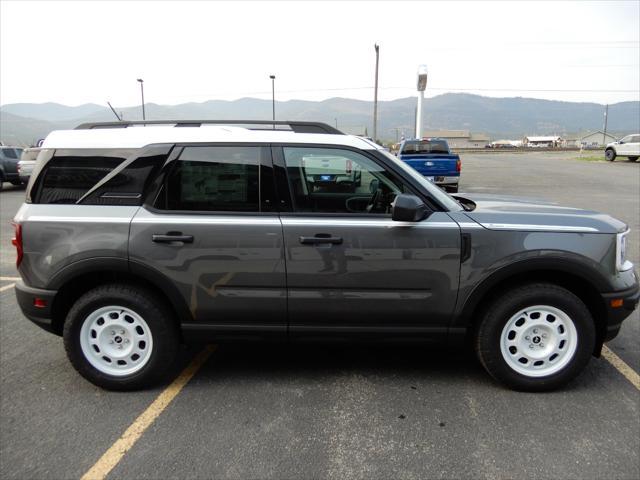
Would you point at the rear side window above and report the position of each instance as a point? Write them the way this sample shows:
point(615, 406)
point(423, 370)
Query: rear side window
point(425, 146)
point(215, 179)
point(72, 174)
point(9, 153)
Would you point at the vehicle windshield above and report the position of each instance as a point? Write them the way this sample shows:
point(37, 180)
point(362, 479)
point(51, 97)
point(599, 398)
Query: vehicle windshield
point(447, 201)
point(425, 146)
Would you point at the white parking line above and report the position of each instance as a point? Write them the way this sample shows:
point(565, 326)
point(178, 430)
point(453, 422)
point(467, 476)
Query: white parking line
point(7, 287)
point(13, 279)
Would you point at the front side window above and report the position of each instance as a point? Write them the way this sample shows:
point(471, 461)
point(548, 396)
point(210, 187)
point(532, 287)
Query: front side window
point(215, 179)
point(329, 180)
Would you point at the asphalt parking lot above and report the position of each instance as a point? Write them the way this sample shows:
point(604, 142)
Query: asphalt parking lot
point(278, 411)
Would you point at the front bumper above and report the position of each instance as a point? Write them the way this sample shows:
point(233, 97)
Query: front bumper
point(627, 301)
point(41, 316)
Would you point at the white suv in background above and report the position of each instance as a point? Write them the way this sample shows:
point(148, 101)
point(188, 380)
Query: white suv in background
point(628, 146)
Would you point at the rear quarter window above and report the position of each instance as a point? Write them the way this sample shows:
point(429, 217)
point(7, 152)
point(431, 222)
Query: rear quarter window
point(68, 175)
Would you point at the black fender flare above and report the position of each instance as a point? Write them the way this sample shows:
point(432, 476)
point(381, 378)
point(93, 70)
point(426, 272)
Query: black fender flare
point(101, 265)
point(548, 264)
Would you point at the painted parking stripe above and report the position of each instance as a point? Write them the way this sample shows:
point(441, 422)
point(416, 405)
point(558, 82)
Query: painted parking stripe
point(621, 366)
point(128, 439)
point(13, 279)
point(7, 287)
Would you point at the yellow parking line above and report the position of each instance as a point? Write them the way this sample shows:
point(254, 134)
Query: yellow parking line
point(622, 367)
point(13, 279)
point(7, 287)
point(115, 453)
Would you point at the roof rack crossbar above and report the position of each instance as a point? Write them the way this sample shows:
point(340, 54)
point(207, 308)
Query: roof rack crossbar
point(296, 126)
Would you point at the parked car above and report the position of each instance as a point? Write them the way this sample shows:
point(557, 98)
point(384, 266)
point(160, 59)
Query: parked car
point(432, 158)
point(9, 157)
point(27, 163)
point(132, 240)
point(628, 146)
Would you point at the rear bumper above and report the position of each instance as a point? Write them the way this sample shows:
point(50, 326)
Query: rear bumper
point(616, 315)
point(41, 316)
point(444, 179)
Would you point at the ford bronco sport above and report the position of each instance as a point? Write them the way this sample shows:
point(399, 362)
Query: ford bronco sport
point(138, 236)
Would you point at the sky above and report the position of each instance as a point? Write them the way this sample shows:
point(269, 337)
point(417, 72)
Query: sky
point(93, 52)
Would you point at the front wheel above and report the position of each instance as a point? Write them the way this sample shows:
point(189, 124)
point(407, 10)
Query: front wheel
point(120, 337)
point(536, 337)
point(610, 155)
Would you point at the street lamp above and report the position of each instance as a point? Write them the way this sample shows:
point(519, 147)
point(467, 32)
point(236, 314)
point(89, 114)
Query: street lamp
point(142, 93)
point(273, 99)
point(422, 85)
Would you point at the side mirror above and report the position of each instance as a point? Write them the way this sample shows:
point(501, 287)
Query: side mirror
point(409, 208)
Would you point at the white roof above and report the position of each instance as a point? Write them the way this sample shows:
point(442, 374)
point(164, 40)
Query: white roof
point(543, 139)
point(137, 137)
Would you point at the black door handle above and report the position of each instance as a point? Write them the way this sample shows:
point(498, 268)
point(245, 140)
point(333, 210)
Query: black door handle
point(171, 237)
point(321, 238)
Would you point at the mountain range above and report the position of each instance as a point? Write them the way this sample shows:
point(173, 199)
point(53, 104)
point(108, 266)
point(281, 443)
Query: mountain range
point(25, 123)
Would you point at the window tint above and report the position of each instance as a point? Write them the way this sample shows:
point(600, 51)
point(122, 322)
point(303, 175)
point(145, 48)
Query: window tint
point(222, 179)
point(71, 173)
point(9, 153)
point(339, 181)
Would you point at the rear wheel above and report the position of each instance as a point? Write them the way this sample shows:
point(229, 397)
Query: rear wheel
point(536, 337)
point(120, 337)
point(610, 154)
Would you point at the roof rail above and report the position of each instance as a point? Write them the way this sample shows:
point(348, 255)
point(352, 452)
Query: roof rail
point(296, 126)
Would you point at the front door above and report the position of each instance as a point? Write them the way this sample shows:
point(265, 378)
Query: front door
point(350, 267)
point(211, 234)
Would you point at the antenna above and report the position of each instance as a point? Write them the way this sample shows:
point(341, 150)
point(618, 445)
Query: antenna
point(114, 112)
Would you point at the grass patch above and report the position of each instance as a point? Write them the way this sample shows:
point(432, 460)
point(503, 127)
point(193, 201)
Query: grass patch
point(591, 158)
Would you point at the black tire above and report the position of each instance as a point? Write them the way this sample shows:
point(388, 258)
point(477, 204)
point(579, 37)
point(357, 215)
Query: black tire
point(146, 304)
point(452, 189)
point(610, 154)
point(633, 159)
point(502, 309)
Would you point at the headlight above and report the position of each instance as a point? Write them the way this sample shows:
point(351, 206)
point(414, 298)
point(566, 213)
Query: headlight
point(622, 264)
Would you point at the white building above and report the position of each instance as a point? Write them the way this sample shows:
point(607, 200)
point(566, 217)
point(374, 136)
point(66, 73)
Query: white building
point(459, 138)
point(596, 139)
point(550, 141)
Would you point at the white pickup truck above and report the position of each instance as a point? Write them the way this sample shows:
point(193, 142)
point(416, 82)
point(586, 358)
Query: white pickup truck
point(628, 146)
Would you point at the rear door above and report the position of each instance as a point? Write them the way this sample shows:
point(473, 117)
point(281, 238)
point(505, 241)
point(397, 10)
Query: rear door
point(211, 232)
point(350, 267)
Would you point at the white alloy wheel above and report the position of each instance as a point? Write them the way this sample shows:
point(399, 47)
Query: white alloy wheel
point(538, 341)
point(116, 340)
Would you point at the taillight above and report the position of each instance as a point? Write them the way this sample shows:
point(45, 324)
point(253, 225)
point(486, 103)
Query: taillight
point(458, 165)
point(17, 242)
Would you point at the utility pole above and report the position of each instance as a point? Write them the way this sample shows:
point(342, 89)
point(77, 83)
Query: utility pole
point(604, 135)
point(273, 99)
point(375, 97)
point(141, 81)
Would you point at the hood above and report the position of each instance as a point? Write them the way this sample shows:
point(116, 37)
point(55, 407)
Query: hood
point(503, 212)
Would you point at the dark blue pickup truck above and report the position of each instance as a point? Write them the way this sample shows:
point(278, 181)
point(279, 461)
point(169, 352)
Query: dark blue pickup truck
point(432, 158)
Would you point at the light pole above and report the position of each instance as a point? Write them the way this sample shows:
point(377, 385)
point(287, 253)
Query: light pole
point(375, 96)
point(422, 85)
point(273, 99)
point(142, 94)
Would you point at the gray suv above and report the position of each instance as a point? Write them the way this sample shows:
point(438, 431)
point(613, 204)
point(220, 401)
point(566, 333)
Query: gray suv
point(135, 238)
